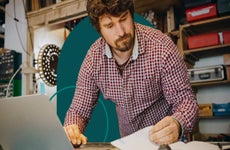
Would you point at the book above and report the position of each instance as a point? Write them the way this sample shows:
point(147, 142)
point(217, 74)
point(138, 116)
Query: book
point(140, 140)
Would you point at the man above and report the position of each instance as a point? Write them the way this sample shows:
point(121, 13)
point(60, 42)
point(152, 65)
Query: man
point(140, 70)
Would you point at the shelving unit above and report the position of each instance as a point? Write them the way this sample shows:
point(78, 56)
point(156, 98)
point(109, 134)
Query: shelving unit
point(218, 24)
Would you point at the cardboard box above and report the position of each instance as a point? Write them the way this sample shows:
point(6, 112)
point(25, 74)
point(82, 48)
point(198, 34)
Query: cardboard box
point(203, 40)
point(201, 12)
point(226, 59)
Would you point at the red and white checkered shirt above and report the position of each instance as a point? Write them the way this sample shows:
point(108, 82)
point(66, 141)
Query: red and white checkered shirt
point(154, 84)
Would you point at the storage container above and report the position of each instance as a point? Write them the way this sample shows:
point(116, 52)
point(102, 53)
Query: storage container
point(201, 12)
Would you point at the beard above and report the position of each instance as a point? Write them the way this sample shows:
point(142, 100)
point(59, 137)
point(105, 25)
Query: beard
point(124, 43)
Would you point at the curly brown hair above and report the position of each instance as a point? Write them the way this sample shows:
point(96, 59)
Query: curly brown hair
point(97, 8)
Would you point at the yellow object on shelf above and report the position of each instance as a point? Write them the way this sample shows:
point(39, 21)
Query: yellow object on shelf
point(205, 110)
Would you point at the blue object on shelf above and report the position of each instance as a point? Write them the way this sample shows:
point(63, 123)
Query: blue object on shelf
point(221, 109)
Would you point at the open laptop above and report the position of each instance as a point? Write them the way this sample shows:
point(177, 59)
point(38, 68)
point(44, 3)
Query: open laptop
point(31, 123)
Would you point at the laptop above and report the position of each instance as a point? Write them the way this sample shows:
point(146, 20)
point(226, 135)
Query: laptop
point(31, 123)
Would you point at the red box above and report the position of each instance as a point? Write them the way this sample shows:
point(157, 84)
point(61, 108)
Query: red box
point(201, 12)
point(203, 40)
point(226, 37)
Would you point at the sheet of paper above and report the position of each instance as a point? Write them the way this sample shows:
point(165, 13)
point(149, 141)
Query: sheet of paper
point(140, 140)
point(136, 141)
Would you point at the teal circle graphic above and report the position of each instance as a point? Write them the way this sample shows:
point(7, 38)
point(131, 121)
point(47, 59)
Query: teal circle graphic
point(103, 125)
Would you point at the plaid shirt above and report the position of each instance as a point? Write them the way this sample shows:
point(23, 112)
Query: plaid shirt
point(154, 84)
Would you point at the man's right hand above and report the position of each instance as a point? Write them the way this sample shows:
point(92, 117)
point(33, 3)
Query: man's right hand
point(75, 135)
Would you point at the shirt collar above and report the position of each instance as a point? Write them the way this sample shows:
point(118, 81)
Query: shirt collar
point(135, 53)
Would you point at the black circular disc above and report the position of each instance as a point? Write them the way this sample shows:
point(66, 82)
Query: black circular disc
point(47, 63)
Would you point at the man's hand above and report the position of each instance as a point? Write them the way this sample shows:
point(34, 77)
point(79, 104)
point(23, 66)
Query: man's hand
point(75, 135)
point(165, 131)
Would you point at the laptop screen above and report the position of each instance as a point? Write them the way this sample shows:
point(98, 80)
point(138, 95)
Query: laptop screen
point(31, 123)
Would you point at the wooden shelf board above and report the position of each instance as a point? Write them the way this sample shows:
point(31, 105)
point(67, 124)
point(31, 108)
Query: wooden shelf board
point(199, 84)
point(57, 13)
point(214, 24)
point(173, 33)
point(208, 51)
point(207, 21)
